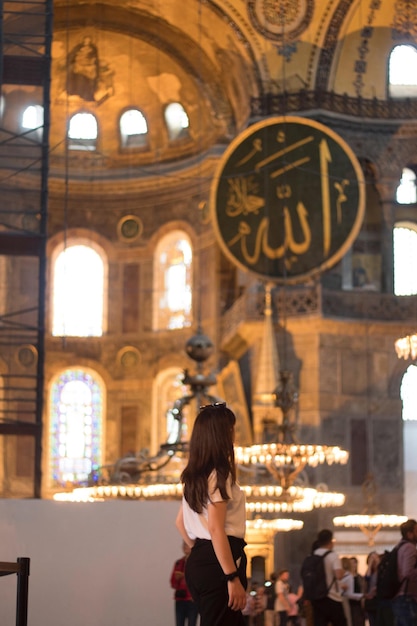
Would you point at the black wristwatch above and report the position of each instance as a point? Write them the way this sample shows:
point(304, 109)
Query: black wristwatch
point(231, 576)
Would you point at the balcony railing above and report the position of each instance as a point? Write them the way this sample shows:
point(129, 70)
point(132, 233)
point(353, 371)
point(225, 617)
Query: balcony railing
point(304, 301)
point(304, 100)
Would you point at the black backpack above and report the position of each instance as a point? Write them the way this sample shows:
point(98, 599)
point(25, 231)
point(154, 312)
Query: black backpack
point(313, 575)
point(387, 582)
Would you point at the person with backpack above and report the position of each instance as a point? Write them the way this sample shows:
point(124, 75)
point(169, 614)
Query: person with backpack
point(320, 574)
point(404, 603)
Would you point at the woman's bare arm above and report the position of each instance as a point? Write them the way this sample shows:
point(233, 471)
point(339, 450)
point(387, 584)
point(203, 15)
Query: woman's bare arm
point(216, 526)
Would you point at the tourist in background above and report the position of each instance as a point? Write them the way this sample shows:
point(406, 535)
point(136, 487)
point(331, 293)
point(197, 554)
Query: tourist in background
point(282, 604)
point(404, 604)
point(270, 600)
point(186, 612)
point(352, 601)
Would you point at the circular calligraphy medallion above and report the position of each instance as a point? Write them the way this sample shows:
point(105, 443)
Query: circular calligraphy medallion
point(288, 199)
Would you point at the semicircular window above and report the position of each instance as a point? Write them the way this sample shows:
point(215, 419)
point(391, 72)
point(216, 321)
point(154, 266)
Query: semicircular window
point(133, 129)
point(82, 132)
point(402, 77)
point(177, 121)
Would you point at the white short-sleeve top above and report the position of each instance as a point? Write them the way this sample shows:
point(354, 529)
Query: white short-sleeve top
point(196, 524)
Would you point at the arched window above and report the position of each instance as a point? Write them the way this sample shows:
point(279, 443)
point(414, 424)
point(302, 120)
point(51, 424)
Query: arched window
point(32, 120)
point(32, 117)
point(405, 259)
point(76, 426)
point(408, 393)
point(173, 282)
point(177, 121)
point(78, 292)
point(82, 132)
point(133, 129)
point(402, 72)
point(406, 190)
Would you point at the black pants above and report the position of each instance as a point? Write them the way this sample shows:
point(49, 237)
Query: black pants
point(327, 611)
point(205, 580)
point(185, 612)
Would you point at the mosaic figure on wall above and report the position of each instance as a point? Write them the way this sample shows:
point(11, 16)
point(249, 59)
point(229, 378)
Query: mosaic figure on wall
point(83, 70)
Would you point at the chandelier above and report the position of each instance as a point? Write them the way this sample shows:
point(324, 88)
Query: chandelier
point(370, 521)
point(273, 469)
point(268, 473)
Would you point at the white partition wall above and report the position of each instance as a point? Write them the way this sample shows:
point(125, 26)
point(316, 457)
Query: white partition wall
point(96, 564)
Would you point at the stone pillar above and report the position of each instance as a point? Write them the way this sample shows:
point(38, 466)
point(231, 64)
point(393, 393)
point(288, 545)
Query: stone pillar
point(387, 191)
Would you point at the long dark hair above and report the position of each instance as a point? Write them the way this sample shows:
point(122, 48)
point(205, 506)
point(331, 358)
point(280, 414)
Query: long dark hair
point(211, 448)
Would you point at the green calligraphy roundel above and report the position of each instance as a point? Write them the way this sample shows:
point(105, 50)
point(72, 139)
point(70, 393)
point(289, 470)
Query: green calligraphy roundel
point(287, 200)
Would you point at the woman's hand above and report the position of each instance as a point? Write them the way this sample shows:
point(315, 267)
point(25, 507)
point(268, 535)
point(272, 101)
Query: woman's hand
point(237, 595)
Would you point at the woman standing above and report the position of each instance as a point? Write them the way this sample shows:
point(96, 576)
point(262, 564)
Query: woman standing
point(282, 603)
point(212, 520)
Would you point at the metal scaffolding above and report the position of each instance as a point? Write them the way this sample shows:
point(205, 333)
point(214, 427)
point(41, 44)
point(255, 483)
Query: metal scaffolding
point(25, 62)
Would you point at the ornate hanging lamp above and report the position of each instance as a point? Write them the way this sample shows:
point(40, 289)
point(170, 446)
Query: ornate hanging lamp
point(370, 521)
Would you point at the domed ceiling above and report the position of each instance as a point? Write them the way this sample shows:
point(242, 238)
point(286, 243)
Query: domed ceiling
point(214, 57)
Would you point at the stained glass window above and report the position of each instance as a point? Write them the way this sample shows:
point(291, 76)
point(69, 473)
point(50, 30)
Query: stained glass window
point(75, 426)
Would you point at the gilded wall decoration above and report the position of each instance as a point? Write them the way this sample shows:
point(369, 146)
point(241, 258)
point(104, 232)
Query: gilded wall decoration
point(330, 43)
point(404, 25)
point(281, 20)
point(363, 49)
